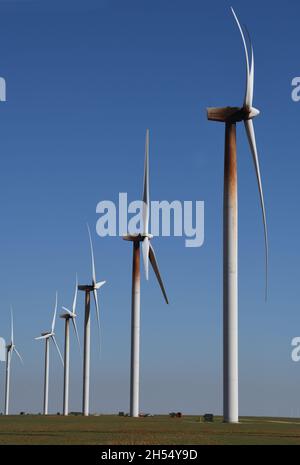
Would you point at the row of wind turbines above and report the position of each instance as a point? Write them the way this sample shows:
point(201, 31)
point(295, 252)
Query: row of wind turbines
point(230, 116)
point(70, 316)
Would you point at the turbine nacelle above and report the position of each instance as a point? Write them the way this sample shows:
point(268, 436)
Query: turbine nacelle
point(91, 287)
point(232, 114)
point(137, 237)
point(45, 335)
point(67, 314)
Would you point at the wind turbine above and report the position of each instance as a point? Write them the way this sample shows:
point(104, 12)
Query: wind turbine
point(148, 254)
point(88, 288)
point(230, 116)
point(67, 316)
point(47, 336)
point(10, 348)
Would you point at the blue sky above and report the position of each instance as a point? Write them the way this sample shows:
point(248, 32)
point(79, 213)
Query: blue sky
point(84, 81)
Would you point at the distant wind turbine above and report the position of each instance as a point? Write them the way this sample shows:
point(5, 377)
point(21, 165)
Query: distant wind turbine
point(230, 116)
point(47, 336)
point(10, 348)
point(67, 316)
point(88, 288)
point(148, 254)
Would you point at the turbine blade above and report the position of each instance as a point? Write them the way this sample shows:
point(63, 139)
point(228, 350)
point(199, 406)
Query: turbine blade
point(145, 251)
point(92, 256)
point(41, 337)
point(75, 296)
point(250, 74)
point(99, 284)
point(76, 332)
point(146, 186)
point(54, 316)
point(67, 310)
point(154, 264)
point(252, 142)
point(98, 316)
point(12, 325)
point(21, 360)
point(57, 348)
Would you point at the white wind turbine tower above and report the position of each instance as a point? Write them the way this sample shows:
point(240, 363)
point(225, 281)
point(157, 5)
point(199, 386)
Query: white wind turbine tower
point(88, 288)
point(230, 116)
point(47, 336)
point(10, 349)
point(148, 254)
point(67, 316)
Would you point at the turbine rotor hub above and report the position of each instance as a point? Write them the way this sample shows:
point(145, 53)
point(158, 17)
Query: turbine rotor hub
point(253, 113)
point(137, 237)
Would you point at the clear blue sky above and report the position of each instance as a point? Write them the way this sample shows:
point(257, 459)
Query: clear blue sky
point(84, 80)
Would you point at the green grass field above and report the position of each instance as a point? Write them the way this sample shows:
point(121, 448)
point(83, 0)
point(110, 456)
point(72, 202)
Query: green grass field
point(109, 429)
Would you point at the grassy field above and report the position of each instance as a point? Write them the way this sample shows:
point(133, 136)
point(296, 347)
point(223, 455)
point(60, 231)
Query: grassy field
point(109, 429)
